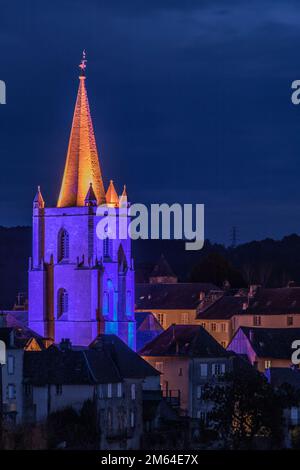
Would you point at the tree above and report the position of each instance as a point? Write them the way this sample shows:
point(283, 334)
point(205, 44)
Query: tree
point(67, 428)
point(245, 406)
point(216, 269)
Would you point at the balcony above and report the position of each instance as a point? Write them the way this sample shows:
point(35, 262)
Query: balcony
point(172, 397)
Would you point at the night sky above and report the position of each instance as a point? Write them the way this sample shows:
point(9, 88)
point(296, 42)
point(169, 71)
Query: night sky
point(190, 102)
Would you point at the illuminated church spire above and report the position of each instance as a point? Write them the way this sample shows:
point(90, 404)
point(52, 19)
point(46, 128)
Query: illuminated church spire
point(82, 165)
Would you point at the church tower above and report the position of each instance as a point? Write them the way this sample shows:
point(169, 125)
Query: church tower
point(80, 285)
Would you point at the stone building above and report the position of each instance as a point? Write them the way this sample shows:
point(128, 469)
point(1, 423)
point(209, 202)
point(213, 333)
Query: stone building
point(187, 358)
point(80, 285)
point(17, 341)
point(172, 302)
point(265, 347)
point(39, 379)
point(258, 307)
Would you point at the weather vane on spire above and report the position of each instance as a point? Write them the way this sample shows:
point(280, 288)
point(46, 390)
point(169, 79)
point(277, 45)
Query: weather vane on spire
point(82, 64)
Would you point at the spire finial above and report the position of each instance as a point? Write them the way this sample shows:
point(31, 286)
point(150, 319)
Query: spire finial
point(82, 64)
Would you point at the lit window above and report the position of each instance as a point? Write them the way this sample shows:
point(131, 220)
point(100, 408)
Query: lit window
point(159, 366)
point(62, 302)
point(203, 325)
point(223, 343)
point(63, 245)
point(100, 391)
point(132, 391)
point(11, 391)
point(119, 390)
point(10, 365)
point(267, 364)
point(223, 327)
point(213, 327)
point(109, 390)
point(294, 415)
point(185, 318)
point(161, 318)
point(203, 370)
point(218, 369)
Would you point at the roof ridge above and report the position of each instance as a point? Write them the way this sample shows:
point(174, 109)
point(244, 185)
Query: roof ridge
point(89, 366)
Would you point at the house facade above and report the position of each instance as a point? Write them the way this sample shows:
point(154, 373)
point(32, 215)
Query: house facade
point(172, 303)
point(265, 347)
point(108, 373)
point(258, 307)
point(187, 358)
point(17, 341)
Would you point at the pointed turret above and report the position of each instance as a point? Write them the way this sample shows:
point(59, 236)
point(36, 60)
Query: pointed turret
point(90, 198)
point(162, 273)
point(38, 202)
point(112, 199)
point(123, 198)
point(82, 164)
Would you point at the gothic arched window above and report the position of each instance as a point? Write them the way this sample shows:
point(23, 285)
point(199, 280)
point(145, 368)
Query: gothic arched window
point(62, 302)
point(63, 245)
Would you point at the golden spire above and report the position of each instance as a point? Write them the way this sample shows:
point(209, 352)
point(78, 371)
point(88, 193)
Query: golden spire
point(111, 195)
point(82, 165)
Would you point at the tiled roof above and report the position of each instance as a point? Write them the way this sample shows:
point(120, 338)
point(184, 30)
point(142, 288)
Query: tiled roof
point(275, 301)
point(272, 342)
point(128, 363)
point(223, 308)
point(162, 269)
point(147, 321)
point(18, 337)
point(170, 296)
point(278, 376)
point(15, 317)
point(53, 366)
point(184, 340)
point(108, 360)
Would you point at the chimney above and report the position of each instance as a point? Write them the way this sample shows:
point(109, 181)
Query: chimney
point(65, 345)
point(201, 295)
point(253, 289)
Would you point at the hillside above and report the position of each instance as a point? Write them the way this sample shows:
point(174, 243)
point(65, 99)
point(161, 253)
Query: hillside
point(268, 262)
